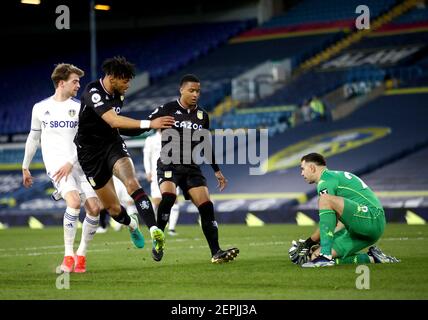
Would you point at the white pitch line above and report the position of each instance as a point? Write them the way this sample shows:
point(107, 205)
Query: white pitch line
point(252, 244)
point(62, 246)
point(105, 243)
point(43, 253)
point(203, 246)
point(32, 248)
point(276, 243)
point(89, 250)
point(402, 239)
point(94, 244)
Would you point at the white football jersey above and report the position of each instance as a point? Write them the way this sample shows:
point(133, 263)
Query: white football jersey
point(152, 149)
point(58, 123)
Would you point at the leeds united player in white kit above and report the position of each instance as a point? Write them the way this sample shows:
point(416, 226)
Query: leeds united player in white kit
point(125, 200)
point(54, 123)
point(152, 149)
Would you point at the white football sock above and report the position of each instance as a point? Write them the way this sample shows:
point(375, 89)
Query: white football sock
point(131, 209)
point(71, 218)
point(89, 228)
point(133, 224)
point(173, 217)
point(152, 229)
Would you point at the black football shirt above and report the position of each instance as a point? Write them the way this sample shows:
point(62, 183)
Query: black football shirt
point(93, 131)
point(187, 122)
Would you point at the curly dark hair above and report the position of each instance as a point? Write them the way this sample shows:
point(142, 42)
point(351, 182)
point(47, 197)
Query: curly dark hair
point(119, 67)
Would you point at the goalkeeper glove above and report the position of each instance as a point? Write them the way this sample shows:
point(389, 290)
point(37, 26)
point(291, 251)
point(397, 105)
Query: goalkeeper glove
point(300, 251)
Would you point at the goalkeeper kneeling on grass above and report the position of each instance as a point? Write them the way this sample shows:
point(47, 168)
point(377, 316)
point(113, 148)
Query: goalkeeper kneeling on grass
point(347, 202)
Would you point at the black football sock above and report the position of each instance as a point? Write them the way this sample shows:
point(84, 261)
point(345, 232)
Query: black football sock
point(144, 207)
point(103, 218)
point(123, 217)
point(209, 226)
point(164, 209)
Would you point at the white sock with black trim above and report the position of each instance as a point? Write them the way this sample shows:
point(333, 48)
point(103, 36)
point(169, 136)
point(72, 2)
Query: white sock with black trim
point(89, 228)
point(71, 218)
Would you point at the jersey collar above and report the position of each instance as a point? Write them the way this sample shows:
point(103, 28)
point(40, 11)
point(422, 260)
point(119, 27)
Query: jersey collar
point(188, 110)
point(105, 90)
point(51, 98)
point(322, 173)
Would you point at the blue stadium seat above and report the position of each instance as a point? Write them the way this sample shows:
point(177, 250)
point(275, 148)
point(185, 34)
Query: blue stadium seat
point(417, 14)
point(311, 11)
point(150, 53)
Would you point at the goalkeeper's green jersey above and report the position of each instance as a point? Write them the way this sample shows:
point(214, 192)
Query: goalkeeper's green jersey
point(349, 186)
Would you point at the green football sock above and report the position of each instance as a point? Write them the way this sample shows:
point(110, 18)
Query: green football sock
point(327, 225)
point(360, 258)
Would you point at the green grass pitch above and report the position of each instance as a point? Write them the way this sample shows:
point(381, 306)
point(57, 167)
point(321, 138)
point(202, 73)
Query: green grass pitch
point(117, 270)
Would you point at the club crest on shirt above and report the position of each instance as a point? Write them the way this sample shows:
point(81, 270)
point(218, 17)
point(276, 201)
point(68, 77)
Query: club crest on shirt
point(168, 174)
point(122, 98)
point(200, 115)
point(72, 113)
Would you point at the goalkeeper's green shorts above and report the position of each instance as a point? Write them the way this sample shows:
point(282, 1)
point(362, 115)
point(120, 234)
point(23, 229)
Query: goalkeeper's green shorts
point(364, 226)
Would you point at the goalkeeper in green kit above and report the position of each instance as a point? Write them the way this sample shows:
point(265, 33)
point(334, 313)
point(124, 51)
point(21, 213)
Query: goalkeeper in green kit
point(346, 198)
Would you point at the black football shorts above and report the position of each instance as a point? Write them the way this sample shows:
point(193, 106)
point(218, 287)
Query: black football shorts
point(97, 163)
point(184, 176)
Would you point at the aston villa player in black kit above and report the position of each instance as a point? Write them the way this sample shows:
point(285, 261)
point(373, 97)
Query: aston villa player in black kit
point(185, 173)
point(102, 152)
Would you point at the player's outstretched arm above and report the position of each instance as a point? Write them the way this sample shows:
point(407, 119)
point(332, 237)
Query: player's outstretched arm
point(31, 145)
point(222, 181)
point(162, 122)
point(27, 179)
point(121, 122)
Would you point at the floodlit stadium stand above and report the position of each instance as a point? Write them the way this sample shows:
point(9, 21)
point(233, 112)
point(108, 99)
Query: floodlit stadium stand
point(383, 138)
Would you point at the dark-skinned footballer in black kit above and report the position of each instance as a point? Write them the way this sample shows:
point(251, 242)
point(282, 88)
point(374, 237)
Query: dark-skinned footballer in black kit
point(102, 152)
point(185, 173)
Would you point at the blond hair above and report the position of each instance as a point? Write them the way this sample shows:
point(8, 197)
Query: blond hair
point(63, 71)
